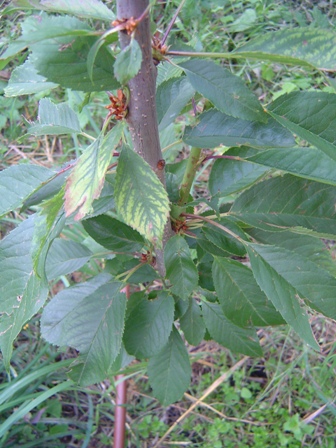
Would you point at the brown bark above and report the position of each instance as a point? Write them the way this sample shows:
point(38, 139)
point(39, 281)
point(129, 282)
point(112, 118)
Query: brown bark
point(141, 116)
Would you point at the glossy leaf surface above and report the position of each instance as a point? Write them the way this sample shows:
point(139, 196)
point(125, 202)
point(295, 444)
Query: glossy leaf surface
point(113, 234)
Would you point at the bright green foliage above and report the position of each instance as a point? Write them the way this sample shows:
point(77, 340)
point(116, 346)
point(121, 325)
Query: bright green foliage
point(87, 177)
point(128, 62)
point(300, 46)
point(90, 9)
point(55, 119)
point(140, 197)
point(25, 80)
point(258, 197)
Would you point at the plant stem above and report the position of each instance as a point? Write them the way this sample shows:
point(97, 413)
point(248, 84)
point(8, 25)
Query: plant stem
point(120, 409)
point(201, 54)
point(141, 117)
point(171, 24)
point(189, 175)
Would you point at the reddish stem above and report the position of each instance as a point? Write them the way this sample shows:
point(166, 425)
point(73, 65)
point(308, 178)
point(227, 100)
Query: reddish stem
point(120, 408)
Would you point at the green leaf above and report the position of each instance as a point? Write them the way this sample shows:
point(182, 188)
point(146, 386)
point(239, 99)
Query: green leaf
point(171, 97)
point(166, 70)
point(48, 225)
point(90, 318)
point(60, 51)
point(244, 22)
point(307, 246)
point(25, 80)
point(226, 91)
point(308, 47)
point(284, 296)
point(309, 163)
point(223, 331)
point(149, 325)
point(223, 240)
point(39, 28)
point(314, 284)
point(288, 201)
point(241, 299)
point(140, 197)
point(22, 292)
point(113, 234)
point(128, 62)
point(47, 189)
point(216, 128)
point(107, 38)
point(192, 323)
point(17, 182)
point(89, 9)
point(55, 119)
point(169, 371)
point(87, 177)
point(229, 176)
point(311, 116)
point(65, 257)
point(180, 268)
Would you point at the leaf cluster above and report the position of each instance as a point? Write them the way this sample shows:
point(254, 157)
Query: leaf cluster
point(246, 254)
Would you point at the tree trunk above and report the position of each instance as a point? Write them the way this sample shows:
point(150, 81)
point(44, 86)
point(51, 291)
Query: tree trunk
point(141, 117)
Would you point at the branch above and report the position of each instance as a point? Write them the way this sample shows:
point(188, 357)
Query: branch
point(141, 117)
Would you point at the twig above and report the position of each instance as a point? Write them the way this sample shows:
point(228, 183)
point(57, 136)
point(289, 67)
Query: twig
point(120, 408)
point(170, 26)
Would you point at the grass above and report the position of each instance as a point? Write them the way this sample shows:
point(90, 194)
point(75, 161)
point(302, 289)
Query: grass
point(284, 399)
